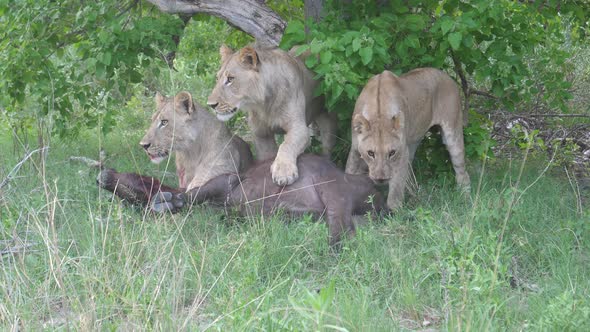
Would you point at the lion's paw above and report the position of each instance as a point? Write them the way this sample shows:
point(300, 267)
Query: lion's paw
point(283, 173)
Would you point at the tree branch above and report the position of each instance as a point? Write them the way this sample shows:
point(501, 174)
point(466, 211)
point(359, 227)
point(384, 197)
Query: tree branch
point(169, 58)
point(482, 93)
point(557, 115)
point(251, 16)
point(464, 85)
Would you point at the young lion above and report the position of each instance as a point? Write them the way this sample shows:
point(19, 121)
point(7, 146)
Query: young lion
point(276, 90)
point(204, 147)
point(392, 115)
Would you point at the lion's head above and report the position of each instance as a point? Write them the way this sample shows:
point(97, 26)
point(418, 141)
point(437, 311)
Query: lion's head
point(238, 82)
point(381, 145)
point(171, 126)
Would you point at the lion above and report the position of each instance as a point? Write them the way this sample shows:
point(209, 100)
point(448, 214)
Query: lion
point(275, 89)
point(322, 189)
point(391, 116)
point(203, 145)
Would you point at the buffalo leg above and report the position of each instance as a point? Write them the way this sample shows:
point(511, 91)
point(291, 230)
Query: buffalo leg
point(338, 210)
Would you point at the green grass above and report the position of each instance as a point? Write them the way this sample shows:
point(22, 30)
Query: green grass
point(443, 261)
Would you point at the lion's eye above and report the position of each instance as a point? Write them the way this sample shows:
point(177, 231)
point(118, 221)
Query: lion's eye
point(371, 154)
point(163, 123)
point(229, 80)
point(391, 153)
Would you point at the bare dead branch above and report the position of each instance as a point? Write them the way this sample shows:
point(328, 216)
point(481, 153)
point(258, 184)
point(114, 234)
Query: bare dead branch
point(464, 84)
point(91, 162)
point(87, 161)
point(482, 93)
point(557, 115)
point(17, 249)
point(251, 16)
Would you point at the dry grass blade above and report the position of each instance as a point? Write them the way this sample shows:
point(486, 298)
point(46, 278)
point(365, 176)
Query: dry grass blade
point(17, 167)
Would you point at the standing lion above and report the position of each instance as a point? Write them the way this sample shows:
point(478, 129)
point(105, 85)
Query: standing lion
point(392, 115)
point(275, 89)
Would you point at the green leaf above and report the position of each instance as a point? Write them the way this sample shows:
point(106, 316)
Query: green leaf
point(351, 91)
point(468, 41)
point(336, 92)
point(326, 57)
point(366, 54)
point(294, 34)
point(402, 50)
point(311, 61)
point(315, 47)
point(415, 22)
point(135, 77)
point(100, 70)
point(106, 58)
point(497, 89)
point(446, 25)
point(412, 41)
point(455, 40)
point(356, 44)
point(295, 28)
point(301, 49)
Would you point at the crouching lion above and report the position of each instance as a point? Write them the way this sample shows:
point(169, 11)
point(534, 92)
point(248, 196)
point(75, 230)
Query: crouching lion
point(322, 188)
point(276, 90)
point(392, 115)
point(203, 145)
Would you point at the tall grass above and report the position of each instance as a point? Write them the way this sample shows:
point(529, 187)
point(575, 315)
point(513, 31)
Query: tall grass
point(513, 256)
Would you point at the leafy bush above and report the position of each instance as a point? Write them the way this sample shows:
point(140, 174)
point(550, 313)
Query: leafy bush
point(71, 63)
point(487, 42)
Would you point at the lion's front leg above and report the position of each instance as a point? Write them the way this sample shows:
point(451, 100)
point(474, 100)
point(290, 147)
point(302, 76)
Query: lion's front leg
point(395, 197)
point(284, 168)
point(397, 184)
point(266, 147)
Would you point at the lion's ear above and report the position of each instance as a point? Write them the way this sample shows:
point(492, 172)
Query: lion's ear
point(360, 124)
point(396, 122)
point(249, 58)
point(225, 52)
point(183, 102)
point(160, 99)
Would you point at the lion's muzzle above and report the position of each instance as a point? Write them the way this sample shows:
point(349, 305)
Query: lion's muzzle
point(223, 111)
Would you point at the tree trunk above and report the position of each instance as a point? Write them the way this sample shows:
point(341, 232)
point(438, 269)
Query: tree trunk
point(169, 58)
point(250, 16)
point(313, 11)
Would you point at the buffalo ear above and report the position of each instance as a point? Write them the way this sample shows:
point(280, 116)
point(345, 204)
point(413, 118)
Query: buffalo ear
point(360, 124)
point(183, 102)
point(249, 58)
point(225, 52)
point(160, 99)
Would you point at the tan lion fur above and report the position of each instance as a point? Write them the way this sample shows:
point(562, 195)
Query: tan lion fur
point(392, 115)
point(203, 146)
point(275, 89)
